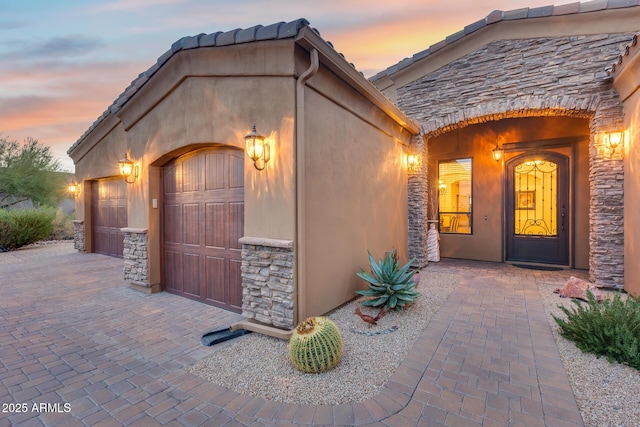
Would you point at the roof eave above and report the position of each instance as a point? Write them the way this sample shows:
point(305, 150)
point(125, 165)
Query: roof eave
point(309, 39)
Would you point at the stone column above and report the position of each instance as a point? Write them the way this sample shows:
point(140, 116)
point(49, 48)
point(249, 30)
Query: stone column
point(606, 210)
point(136, 259)
point(418, 201)
point(78, 235)
point(268, 288)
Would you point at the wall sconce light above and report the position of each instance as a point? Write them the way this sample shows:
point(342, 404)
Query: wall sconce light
point(73, 188)
point(413, 163)
point(127, 169)
point(257, 149)
point(613, 140)
point(497, 153)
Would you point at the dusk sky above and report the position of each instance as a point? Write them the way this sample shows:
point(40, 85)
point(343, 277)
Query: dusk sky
point(63, 62)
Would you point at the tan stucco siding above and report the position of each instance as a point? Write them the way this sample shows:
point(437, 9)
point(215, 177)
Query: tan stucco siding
point(626, 80)
point(210, 110)
point(631, 199)
point(355, 197)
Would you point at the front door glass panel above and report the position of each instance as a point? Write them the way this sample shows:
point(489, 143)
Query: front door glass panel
point(536, 200)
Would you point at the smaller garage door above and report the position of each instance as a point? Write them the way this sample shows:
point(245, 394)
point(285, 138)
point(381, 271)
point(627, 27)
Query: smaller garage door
point(203, 218)
point(109, 215)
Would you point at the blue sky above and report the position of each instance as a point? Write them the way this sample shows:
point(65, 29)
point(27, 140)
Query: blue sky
point(63, 62)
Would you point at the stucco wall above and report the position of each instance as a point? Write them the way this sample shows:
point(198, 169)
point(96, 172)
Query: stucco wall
point(355, 197)
point(631, 192)
point(194, 101)
point(626, 79)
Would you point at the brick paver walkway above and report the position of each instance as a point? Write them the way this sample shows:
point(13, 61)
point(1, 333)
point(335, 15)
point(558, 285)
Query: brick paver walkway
point(72, 333)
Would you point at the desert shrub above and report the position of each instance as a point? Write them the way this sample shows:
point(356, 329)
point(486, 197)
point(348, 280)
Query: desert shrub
point(610, 329)
point(62, 226)
point(22, 227)
point(390, 285)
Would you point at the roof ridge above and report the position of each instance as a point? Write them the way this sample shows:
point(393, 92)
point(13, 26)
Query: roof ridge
point(499, 15)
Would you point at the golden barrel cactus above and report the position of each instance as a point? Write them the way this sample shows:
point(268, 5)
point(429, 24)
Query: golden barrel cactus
point(316, 345)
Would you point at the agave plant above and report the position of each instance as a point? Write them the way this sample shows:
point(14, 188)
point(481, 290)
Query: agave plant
point(390, 286)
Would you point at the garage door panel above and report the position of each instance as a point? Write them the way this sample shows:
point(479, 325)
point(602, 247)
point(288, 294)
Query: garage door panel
point(191, 174)
point(203, 218)
point(236, 171)
point(191, 275)
point(172, 221)
point(173, 267)
point(214, 171)
point(215, 224)
point(170, 181)
point(216, 283)
point(191, 224)
point(236, 225)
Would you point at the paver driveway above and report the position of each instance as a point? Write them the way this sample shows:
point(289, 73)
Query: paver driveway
point(73, 335)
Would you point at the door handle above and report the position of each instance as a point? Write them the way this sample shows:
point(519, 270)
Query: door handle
point(563, 222)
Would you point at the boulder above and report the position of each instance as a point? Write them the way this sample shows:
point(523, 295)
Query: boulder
point(577, 288)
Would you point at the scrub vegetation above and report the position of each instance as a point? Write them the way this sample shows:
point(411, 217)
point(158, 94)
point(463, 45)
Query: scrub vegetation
point(610, 329)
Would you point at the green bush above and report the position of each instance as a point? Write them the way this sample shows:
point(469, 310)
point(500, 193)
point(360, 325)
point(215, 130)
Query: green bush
point(62, 226)
point(390, 286)
point(610, 329)
point(22, 227)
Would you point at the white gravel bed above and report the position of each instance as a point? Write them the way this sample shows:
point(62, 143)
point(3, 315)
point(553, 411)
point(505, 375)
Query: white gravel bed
point(259, 366)
point(608, 394)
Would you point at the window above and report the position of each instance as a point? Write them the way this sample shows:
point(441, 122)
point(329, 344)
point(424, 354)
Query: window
point(455, 203)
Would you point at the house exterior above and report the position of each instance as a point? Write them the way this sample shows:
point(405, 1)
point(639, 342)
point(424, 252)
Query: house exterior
point(196, 218)
point(531, 84)
point(511, 121)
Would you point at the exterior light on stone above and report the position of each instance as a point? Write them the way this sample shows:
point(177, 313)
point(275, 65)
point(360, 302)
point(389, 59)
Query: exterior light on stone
point(413, 163)
point(613, 141)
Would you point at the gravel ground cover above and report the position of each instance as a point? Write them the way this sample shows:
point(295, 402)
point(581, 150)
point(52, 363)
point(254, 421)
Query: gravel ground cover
point(608, 394)
point(264, 370)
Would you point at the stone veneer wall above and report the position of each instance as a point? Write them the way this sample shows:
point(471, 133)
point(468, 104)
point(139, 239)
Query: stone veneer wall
point(418, 205)
point(78, 235)
point(136, 256)
point(268, 288)
point(537, 77)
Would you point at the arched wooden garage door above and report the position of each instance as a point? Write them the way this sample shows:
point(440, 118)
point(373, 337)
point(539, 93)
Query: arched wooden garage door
point(109, 216)
point(203, 218)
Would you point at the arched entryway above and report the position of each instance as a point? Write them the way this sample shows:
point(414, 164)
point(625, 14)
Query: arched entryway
point(202, 220)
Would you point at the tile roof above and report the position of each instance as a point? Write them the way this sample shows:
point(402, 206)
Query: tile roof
point(629, 50)
point(510, 15)
point(279, 30)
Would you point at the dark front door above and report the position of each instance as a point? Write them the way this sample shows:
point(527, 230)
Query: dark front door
point(537, 204)
point(203, 218)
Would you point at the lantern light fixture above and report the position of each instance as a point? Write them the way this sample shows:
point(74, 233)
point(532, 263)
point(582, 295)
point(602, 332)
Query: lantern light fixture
point(613, 141)
point(413, 163)
point(73, 188)
point(128, 170)
point(497, 153)
point(257, 149)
